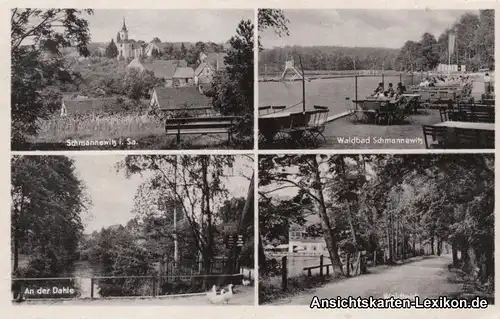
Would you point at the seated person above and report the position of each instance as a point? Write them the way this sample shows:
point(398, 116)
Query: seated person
point(424, 83)
point(390, 91)
point(401, 88)
point(379, 89)
point(383, 96)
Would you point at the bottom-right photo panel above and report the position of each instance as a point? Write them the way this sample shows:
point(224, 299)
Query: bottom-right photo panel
point(377, 231)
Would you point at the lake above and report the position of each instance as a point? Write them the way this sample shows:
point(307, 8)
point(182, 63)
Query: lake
point(324, 92)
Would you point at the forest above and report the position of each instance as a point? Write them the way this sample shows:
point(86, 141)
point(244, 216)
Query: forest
point(50, 202)
point(390, 206)
point(474, 47)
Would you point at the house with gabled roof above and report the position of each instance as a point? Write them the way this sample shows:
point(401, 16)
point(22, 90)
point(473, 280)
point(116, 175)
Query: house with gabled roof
point(183, 76)
point(210, 63)
point(166, 69)
point(178, 98)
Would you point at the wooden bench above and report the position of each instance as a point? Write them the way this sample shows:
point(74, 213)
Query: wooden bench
point(200, 126)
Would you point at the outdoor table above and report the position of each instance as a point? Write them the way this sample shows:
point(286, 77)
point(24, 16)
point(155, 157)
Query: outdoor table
point(484, 130)
point(467, 125)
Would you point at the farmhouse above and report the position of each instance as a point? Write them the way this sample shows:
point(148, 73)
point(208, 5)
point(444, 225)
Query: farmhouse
point(209, 63)
point(87, 106)
point(183, 76)
point(178, 97)
point(166, 69)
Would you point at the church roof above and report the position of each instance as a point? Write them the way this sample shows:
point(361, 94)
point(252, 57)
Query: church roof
point(184, 73)
point(124, 27)
point(174, 98)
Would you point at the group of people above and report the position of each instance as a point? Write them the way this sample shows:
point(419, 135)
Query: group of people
point(390, 94)
point(443, 81)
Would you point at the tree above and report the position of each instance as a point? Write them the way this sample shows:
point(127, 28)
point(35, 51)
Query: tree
point(232, 89)
point(272, 18)
point(111, 50)
point(37, 68)
point(196, 183)
point(156, 40)
point(183, 51)
point(48, 201)
point(428, 47)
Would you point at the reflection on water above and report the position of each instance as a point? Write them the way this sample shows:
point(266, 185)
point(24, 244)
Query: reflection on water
point(324, 92)
point(83, 271)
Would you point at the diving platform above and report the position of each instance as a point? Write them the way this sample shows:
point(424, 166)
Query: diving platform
point(290, 67)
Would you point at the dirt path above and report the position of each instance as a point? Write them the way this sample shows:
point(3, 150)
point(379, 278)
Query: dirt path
point(242, 296)
point(425, 278)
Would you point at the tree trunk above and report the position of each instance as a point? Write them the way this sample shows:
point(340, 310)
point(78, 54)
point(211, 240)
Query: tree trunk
point(439, 246)
point(246, 220)
point(432, 244)
point(331, 242)
point(388, 227)
point(454, 253)
point(262, 257)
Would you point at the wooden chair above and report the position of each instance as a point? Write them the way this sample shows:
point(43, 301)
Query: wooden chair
point(352, 111)
point(437, 134)
point(317, 123)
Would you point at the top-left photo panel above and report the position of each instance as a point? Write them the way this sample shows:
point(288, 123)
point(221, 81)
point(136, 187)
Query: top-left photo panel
point(84, 79)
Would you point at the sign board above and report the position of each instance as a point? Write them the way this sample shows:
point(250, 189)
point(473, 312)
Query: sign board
point(228, 228)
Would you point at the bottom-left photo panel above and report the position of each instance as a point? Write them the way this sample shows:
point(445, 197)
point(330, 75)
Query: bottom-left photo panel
point(132, 229)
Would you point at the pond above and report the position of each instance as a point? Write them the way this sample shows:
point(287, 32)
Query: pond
point(324, 92)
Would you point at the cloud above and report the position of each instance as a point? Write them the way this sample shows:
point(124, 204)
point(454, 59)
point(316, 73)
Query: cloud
point(347, 27)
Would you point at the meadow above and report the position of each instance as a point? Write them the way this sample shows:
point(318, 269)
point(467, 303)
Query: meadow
point(117, 131)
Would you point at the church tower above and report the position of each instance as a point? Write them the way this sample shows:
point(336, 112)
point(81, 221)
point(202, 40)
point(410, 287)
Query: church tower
point(124, 32)
point(123, 43)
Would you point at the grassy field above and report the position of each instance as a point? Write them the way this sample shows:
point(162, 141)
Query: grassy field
point(119, 131)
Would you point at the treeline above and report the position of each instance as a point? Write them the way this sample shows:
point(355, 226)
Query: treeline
point(168, 50)
point(475, 38)
point(474, 45)
point(327, 58)
point(102, 77)
point(392, 207)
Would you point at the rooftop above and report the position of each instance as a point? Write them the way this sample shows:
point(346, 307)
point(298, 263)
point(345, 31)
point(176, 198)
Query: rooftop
point(184, 73)
point(92, 105)
point(173, 98)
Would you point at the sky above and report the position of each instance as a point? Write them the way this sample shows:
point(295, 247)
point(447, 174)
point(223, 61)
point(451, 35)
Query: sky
point(168, 25)
point(112, 194)
point(363, 28)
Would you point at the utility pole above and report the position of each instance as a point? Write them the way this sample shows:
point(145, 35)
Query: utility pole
point(176, 245)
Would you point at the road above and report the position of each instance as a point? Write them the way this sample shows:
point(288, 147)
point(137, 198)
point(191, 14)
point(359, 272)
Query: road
point(242, 296)
point(425, 278)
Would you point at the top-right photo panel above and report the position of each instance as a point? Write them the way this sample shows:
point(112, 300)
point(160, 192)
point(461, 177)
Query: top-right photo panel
point(376, 79)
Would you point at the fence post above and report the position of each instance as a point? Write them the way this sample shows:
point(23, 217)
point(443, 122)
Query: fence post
point(154, 286)
point(321, 266)
point(356, 87)
point(284, 273)
point(91, 287)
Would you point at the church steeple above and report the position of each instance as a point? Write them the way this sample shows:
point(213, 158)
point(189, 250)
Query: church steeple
point(124, 28)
